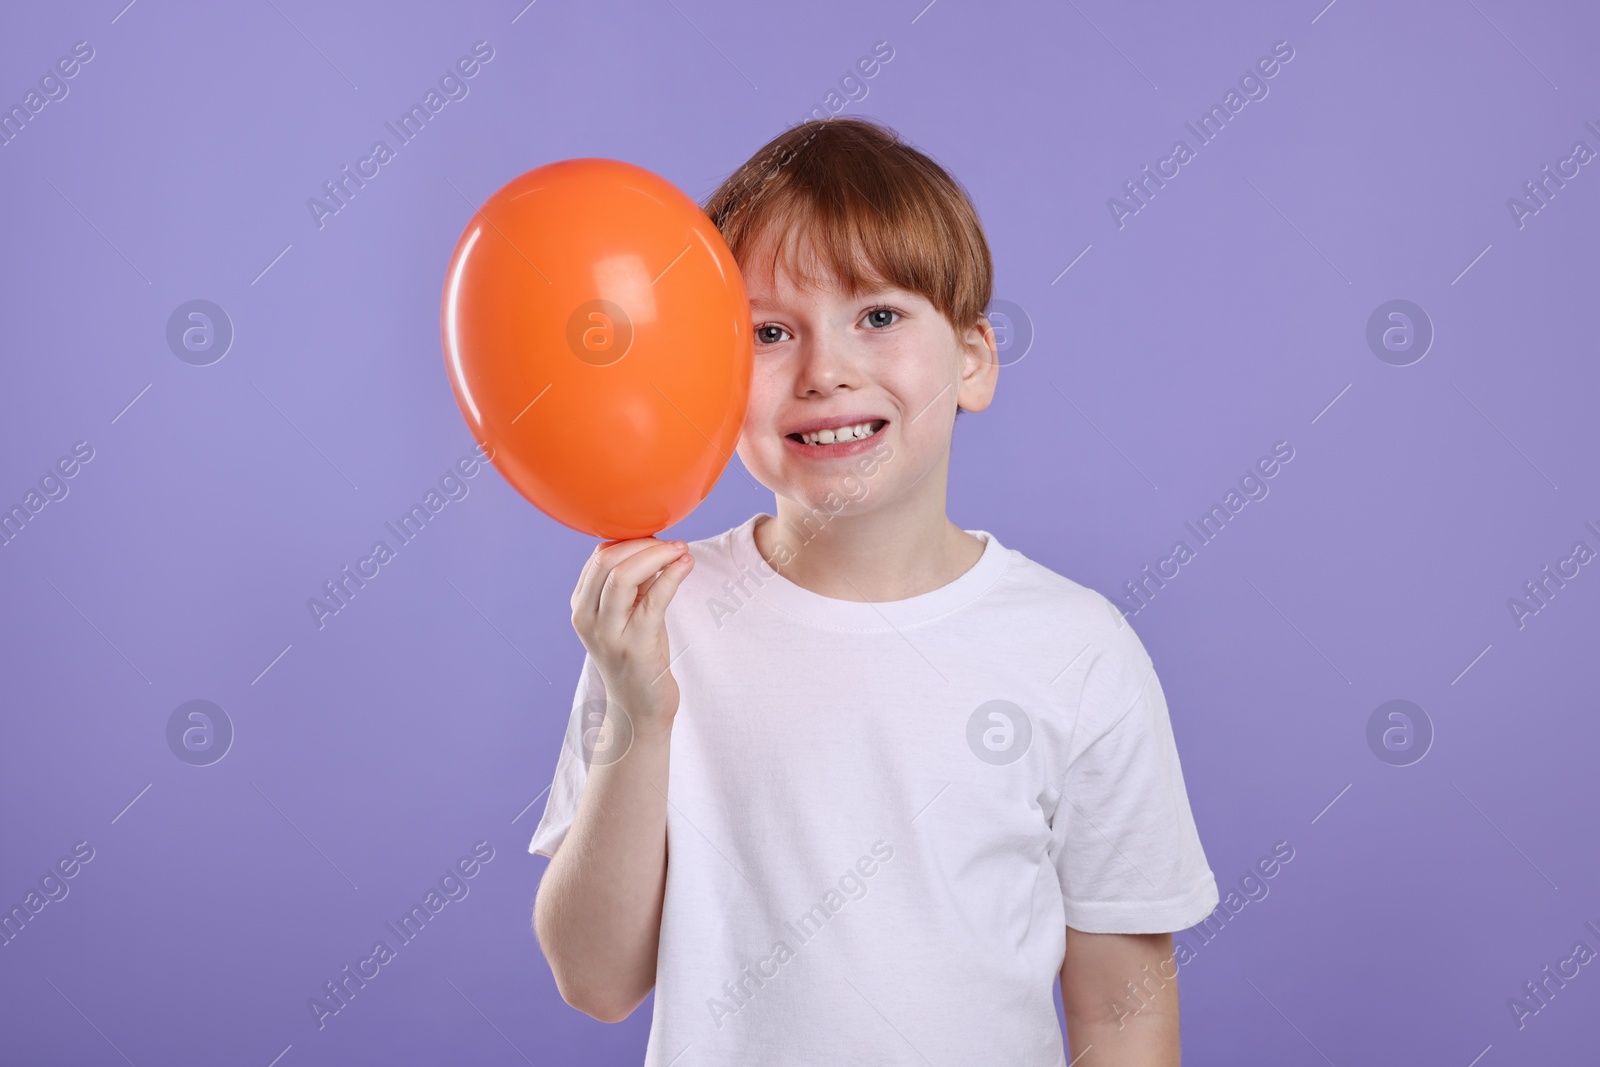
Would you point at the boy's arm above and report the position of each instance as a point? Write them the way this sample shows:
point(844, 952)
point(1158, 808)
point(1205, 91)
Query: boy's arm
point(598, 911)
point(1120, 1007)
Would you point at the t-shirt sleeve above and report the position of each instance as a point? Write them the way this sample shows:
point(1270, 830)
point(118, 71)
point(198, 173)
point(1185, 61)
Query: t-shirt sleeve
point(588, 706)
point(1123, 839)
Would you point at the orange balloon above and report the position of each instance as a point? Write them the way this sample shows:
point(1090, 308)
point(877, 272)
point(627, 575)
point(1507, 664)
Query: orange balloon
point(597, 337)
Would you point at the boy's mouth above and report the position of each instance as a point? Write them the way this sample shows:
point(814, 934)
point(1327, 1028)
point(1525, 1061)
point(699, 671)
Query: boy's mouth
point(830, 437)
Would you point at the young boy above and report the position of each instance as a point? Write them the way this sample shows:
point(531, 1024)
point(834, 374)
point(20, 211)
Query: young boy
point(850, 784)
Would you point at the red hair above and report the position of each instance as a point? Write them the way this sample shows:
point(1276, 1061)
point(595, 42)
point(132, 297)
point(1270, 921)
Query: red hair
point(874, 209)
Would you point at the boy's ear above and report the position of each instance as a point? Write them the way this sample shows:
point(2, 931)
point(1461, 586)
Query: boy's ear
point(980, 366)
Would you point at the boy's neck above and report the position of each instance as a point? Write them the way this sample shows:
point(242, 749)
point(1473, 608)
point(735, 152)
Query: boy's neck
point(885, 554)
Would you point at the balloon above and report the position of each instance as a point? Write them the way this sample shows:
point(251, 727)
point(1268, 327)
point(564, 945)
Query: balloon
point(597, 337)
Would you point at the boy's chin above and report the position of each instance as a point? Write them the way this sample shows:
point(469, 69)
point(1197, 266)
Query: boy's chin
point(825, 500)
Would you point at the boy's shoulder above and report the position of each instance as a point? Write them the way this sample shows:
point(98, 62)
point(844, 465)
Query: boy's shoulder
point(1050, 599)
point(1049, 586)
point(719, 544)
point(714, 555)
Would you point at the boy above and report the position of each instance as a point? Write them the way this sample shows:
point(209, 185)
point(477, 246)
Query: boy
point(906, 776)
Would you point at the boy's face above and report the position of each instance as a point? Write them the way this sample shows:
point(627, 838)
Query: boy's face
point(824, 360)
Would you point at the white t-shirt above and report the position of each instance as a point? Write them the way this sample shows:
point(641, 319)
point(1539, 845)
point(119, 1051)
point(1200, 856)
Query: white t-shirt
point(883, 816)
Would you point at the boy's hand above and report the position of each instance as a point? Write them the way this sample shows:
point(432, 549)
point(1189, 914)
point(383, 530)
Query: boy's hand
point(618, 610)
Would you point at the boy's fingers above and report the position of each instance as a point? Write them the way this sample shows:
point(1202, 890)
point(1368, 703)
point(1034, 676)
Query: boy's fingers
point(581, 585)
point(619, 592)
point(659, 593)
point(644, 590)
point(606, 556)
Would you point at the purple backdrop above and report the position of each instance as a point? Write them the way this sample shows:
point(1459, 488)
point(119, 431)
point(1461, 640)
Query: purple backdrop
point(1159, 341)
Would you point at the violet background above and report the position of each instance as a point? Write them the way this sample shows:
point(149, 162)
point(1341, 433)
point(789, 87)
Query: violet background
point(1227, 315)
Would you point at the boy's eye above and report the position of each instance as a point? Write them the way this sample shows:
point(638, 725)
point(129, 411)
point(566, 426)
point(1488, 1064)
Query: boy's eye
point(878, 317)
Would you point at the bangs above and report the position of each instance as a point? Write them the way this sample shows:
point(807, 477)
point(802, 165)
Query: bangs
point(820, 251)
point(844, 202)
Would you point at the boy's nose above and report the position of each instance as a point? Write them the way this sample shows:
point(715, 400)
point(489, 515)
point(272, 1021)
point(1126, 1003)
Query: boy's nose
point(825, 365)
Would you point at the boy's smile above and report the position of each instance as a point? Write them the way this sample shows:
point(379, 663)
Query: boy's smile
point(826, 438)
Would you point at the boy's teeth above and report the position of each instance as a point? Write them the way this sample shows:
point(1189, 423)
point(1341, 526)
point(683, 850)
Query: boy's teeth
point(842, 433)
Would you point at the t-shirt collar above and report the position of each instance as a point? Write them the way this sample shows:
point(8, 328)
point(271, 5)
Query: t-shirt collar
point(759, 579)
